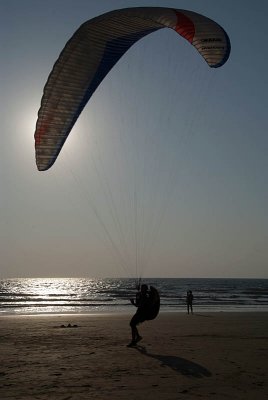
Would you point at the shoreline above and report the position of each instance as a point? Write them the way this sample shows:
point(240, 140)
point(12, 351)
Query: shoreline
point(131, 311)
point(181, 356)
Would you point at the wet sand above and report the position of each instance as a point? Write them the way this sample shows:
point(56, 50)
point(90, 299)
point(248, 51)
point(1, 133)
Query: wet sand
point(206, 355)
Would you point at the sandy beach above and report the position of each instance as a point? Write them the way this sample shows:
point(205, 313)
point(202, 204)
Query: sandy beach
point(208, 355)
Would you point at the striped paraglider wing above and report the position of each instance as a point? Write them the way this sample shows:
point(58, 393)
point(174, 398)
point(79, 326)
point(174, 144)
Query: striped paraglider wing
point(91, 53)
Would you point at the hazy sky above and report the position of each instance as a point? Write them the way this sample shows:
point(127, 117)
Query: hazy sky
point(165, 172)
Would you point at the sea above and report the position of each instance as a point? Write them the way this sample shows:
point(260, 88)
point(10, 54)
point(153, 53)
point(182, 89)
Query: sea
point(37, 296)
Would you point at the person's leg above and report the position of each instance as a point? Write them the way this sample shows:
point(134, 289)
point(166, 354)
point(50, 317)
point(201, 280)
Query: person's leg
point(134, 330)
point(136, 337)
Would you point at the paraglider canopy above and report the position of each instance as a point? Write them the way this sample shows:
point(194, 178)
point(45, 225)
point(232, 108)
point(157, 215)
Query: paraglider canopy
point(95, 48)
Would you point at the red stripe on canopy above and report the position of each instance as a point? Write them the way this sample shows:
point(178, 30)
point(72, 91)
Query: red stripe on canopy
point(185, 27)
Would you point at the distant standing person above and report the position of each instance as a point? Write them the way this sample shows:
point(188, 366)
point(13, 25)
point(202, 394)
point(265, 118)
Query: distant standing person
point(189, 301)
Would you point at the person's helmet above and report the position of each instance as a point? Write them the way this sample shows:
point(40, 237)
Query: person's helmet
point(144, 287)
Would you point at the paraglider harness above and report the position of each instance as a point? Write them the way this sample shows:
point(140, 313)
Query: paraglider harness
point(147, 302)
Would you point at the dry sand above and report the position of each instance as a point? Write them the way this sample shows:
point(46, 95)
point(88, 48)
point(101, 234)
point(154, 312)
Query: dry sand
point(206, 356)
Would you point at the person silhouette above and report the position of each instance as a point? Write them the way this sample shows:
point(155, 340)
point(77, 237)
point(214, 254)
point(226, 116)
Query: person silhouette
point(189, 301)
point(141, 302)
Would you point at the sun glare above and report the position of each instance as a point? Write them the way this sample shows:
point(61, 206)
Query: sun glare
point(26, 119)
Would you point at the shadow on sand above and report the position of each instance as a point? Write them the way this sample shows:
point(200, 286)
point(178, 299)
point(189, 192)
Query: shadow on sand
point(203, 315)
point(178, 364)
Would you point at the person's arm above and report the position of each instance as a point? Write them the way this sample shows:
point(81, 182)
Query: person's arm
point(137, 301)
point(132, 301)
